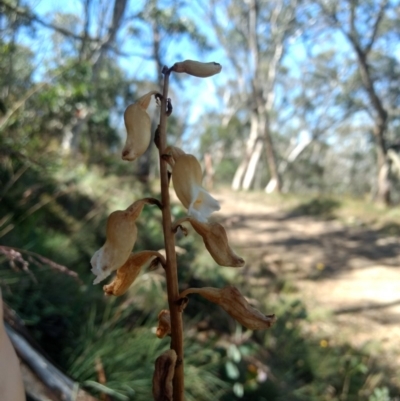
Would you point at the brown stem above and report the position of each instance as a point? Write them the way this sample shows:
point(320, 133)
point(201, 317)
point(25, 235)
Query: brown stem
point(169, 240)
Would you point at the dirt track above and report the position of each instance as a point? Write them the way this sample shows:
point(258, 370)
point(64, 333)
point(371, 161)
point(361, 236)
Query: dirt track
point(349, 277)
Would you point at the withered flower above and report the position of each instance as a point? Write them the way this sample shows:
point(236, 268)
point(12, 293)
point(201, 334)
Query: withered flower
point(187, 178)
point(121, 234)
point(197, 68)
point(138, 128)
point(129, 271)
point(215, 240)
point(164, 324)
point(233, 302)
point(163, 375)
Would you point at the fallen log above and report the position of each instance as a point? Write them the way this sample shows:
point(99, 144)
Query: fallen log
point(43, 381)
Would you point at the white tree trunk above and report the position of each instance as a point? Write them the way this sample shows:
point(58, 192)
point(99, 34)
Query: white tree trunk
point(250, 144)
point(252, 166)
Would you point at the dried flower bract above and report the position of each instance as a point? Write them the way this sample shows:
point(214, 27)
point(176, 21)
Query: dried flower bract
point(163, 375)
point(138, 128)
point(128, 273)
point(233, 302)
point(216, 241)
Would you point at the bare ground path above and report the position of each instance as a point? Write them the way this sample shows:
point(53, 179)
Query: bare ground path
point(349, 277)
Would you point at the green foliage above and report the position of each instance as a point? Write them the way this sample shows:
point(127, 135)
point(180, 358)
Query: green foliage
point(127, 347)
point(287, 364)
point(319, 207)
point(380, 394)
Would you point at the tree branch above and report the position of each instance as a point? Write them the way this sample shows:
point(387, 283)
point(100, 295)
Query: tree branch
point(375, 28)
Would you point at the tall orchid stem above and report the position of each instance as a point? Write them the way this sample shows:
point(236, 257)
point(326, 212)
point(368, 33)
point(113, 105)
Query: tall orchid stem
point(169, 241)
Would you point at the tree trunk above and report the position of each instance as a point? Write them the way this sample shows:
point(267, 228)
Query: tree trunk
point(381, 115)
point(271, 160)
point(250, 144)
point(252, 165)
point(383, 179)
point(237, 179)
point(208, 171)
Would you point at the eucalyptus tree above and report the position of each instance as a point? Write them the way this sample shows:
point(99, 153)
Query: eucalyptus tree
point(318, 119)
point(60, 83)
point(16, 67)
point(255, 35)
point(370, 29)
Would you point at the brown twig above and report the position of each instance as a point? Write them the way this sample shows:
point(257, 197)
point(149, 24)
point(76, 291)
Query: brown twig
point(101, 377)
point(15, 254)
point(169, 240)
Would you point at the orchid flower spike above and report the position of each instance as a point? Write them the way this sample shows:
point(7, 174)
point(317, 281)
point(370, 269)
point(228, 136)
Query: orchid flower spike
point(121, 234)
point(187, 178)
point(138, 128)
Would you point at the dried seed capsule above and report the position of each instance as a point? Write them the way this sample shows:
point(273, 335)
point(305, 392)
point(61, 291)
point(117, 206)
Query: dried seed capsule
point(163, 375)
point(138, 128)
point(164, 324)
point(197, 68)
point(233, 302)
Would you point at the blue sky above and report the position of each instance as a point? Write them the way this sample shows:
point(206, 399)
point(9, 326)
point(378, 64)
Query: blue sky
point(193, 97)
point(202, 90)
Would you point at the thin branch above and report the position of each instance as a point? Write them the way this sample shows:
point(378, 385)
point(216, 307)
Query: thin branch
point(20, 103)
point(108, 41)
point(85, 28)
point(12, 253)
point(32, 17)
point(353, 34)
point(375, 28)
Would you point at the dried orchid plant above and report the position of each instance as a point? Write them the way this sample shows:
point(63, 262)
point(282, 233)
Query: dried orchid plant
point(121, 234)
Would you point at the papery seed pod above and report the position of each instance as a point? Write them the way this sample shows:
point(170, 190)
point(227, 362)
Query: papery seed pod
point(121, 234)
point(163, 375)
point(129, 271)
point(138, 128)
point(216, 241)
point(197, 68)
point(187, 178)
point(233, 302)
point(164, 324)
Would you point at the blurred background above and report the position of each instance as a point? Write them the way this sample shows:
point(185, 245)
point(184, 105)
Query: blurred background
point(299, 139)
